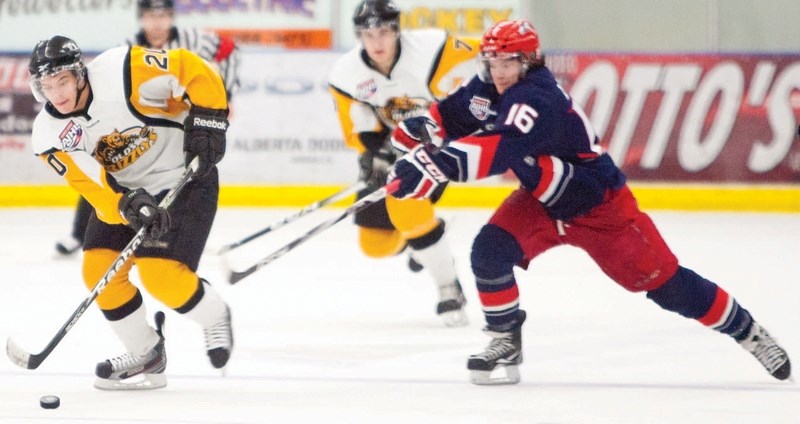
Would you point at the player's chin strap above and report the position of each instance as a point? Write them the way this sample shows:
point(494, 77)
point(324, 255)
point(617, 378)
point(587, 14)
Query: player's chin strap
point(32, 360)
point(80, 91)
point(376, 196)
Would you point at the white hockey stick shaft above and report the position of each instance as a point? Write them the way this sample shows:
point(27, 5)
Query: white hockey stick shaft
point(291, 218)
point(32, 361)
point(376, 196)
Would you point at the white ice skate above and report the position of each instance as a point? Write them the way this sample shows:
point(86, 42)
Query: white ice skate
point(774, 359)
point(451, 305)
point(219, 341)
point(498, 364)
point(135, 372)
point(68, 245)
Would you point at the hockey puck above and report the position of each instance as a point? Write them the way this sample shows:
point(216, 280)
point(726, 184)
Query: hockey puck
point(49, 402)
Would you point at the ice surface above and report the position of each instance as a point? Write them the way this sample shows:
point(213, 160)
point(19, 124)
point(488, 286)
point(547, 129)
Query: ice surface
point(324, 334)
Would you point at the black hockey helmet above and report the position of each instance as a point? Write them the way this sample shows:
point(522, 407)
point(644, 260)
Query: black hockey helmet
point(51, 56)
point(142, 5)
point(372, 13)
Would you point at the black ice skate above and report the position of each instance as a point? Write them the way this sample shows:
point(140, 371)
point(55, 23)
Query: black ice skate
point(68, 245)
point(135, 372)
point(219, 340)
point(413, 265)
point(503, 355)
point(451, 306)
point(774, 359)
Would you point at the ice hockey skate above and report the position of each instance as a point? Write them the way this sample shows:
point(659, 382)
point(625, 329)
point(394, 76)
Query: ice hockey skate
point(413, 265)
point(774, 359)
point(68, 245)
point(451, 306)
point(498, 364)
point(135, 372)
point(219, 341)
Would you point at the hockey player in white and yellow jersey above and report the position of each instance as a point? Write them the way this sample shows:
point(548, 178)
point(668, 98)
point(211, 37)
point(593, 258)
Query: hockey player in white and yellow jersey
point(120, 131)
point(393, 75)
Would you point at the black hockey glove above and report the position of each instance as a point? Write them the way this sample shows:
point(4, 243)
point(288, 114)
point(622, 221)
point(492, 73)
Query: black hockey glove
point(204, 137)
point(140, 209)
point(375, 166)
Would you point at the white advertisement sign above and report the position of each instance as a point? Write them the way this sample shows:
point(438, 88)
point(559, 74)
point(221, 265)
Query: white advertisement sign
point(97, 25)
point(283, 125)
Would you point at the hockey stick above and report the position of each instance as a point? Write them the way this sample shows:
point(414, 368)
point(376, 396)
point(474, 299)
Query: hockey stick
point(32, 361)
point(375, 196)
point(291, 218)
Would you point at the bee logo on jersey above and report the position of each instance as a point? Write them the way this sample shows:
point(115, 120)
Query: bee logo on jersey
point(400, 108)
point(118, 150)
point(366, 89)
point(71, 136)
point(479, 107)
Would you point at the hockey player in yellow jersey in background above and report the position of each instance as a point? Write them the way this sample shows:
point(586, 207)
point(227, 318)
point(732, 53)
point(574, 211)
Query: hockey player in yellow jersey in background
point(121, 131)
point(393, 75)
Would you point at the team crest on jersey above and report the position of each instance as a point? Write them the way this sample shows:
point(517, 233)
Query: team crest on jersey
point(120, 149)
point(400, 108)
point(366, 89)
point(71, 136)
point(479, 107)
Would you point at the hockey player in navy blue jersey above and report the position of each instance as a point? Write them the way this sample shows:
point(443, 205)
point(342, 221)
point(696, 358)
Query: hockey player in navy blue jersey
point(514, 116)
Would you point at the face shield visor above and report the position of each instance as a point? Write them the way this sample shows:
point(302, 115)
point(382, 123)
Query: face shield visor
point(375, 23)
point(485, 59)
point(38, 89)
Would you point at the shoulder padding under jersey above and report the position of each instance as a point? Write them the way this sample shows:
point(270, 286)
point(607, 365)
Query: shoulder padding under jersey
point(159, 81)
point(419, 51)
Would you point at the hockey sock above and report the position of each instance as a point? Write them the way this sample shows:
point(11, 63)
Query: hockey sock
point(433, 252)
point(494, 253)
point(131, 326)
point(692, 296)
point(206, 307)
point(727, 316)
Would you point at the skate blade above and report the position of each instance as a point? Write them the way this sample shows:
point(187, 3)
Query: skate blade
point(139, 382)
point(508, 374)
point(456, 318)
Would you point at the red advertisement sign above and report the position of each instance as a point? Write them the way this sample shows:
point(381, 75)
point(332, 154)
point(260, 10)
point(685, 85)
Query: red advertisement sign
point(691, 118)
point(18, 108)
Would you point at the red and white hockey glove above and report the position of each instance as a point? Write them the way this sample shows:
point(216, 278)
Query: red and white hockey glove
point(412, 132)
point(420, 174)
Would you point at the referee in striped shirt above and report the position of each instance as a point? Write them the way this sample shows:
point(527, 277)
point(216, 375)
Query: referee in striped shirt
point(158, 31)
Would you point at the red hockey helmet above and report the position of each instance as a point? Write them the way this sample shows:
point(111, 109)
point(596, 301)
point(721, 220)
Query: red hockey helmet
point(510, 38)
point(507, 40)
